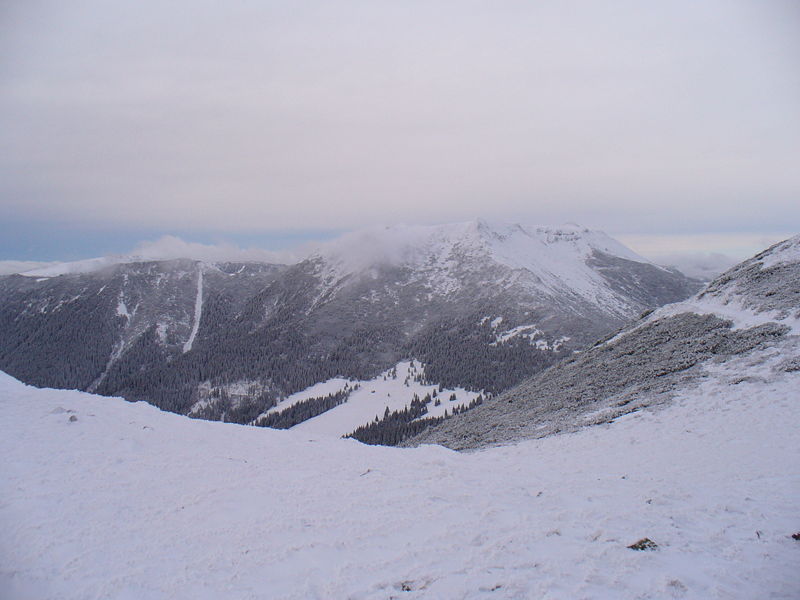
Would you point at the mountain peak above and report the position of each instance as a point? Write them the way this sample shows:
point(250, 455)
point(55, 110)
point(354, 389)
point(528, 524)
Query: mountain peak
point(462, 258)
point(513, 244)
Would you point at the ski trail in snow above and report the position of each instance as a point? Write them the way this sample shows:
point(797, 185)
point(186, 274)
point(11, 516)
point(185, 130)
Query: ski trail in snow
point(198, 309)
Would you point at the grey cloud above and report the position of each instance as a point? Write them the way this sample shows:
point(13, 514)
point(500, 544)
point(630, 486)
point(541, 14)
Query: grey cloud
point(703, 265)
point(7, 267)
point(627, 116)
point(169, 247)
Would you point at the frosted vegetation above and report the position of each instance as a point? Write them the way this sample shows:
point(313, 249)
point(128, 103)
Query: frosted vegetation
point(753, 306)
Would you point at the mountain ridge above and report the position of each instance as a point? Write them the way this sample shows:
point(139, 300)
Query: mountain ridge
point(482, 307)
point(750, 309)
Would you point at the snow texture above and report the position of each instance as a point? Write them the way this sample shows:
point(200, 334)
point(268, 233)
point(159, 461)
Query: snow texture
point(107, 499)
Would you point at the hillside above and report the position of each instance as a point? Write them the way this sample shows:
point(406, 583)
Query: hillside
point(107, 499)
point(748, 314)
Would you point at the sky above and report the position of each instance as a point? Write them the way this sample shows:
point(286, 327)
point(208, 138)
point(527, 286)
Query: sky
point(673, 126)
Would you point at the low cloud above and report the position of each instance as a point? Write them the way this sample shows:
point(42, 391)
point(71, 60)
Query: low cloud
point(701, 265)
point(701, 255)
point(171, 247)
point(9, 267)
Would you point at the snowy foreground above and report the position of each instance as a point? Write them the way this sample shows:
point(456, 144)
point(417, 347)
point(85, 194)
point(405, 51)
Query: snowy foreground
point(124, 501)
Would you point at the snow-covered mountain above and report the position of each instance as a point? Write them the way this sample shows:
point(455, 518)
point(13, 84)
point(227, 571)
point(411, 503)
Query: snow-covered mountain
point(745, 325)
point(482, 306)
point(449, 260)
point(568, 262)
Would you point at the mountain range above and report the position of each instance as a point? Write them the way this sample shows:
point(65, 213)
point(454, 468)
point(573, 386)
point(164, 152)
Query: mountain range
point(675, 475)
point(479, 306)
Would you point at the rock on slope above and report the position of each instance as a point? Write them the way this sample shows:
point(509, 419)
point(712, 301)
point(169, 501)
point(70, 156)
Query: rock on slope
point(752, 307)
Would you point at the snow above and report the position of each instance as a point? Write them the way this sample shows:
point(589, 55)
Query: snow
point(554, 258)
point(532, 333)
point(130, 502)
point(729, 302)
point(122, 309)
point(164, 249)
point(371, 398)
point(198, 309)
point(318, 390)
point(545, 259)
point(526, 331)
point(514, 245)
point(556, 344)
point(557, 257)
point(726, 308)
point(787, 251)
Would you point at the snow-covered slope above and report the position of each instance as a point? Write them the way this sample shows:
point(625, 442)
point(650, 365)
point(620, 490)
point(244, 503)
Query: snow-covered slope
point(553, 261)
point(392, 390)
point(103, 499)
point(752, 306)
point(765, 288)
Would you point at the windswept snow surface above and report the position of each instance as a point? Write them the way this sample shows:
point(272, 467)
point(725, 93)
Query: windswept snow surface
point(124, 501)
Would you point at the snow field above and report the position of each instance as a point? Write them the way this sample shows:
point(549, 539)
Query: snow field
point(129, 502)
point(371, 399)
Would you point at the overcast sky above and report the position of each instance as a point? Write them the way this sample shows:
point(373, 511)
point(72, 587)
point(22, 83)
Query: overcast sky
point(269, 123)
